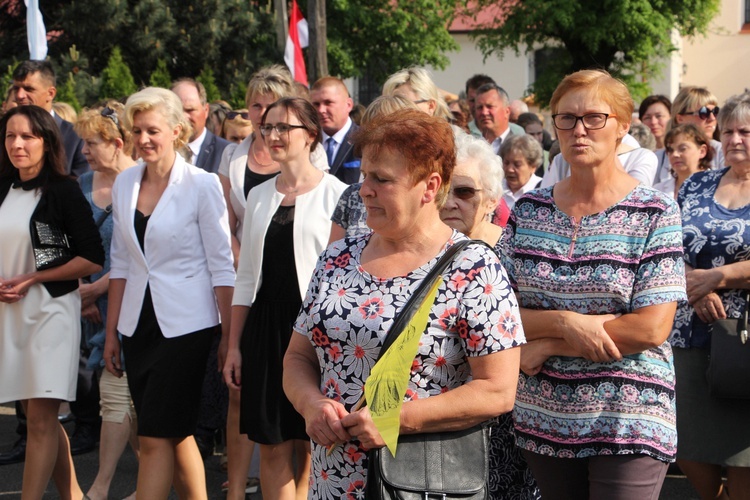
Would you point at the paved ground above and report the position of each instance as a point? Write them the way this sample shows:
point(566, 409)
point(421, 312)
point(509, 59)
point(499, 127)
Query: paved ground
point(675, 487)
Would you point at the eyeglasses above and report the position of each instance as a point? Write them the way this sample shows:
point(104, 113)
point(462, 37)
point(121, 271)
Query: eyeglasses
point(231, 115)
point(704, 113)
point(464, 192)
point(110, 113)
point(280, 128)
point(590, 121)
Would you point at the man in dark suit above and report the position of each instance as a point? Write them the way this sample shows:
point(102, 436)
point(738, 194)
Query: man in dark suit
point(206, 148)
point(330, 98)
point(34, 83)
point(492, 113)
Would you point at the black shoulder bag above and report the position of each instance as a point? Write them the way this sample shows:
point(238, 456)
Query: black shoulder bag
point(443, 465)
point(728, 371)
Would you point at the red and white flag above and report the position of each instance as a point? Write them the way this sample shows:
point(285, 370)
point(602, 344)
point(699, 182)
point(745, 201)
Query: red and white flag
point(295, 42)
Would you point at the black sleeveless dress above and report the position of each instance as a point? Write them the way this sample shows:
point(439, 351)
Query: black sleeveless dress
point(266, 415)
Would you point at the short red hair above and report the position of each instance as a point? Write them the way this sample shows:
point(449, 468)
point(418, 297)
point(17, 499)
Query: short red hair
point(425, 141)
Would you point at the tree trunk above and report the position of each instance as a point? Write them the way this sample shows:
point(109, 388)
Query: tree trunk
point(282, 23)
point(317, 53)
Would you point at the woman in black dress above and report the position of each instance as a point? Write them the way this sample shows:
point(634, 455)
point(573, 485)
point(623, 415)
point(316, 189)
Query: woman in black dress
point(286, 226)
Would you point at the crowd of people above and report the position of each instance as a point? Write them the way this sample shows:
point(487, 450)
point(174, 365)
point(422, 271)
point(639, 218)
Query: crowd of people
point(189, 275)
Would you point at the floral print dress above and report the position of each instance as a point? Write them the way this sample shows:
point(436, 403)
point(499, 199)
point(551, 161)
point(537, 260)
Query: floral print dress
point(347, 313)
point(624, 258)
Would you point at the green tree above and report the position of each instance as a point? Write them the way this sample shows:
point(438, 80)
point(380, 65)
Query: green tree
point(628, 38)
point(381, 36)
point(206, 77)
point(117, 81)
point(67, 92)
point(160, 76)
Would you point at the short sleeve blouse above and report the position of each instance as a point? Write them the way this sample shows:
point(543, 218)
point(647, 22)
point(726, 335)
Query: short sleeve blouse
point(713, 236)
point(624, 258)
point(347, 313)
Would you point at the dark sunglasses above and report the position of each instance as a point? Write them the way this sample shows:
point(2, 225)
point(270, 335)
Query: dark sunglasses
point(234, 114)
point(704, 112)
point(464, 193)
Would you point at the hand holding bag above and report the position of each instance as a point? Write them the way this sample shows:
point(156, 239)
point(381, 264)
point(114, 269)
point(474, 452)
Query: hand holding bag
point(441, 465)
point(728, 371)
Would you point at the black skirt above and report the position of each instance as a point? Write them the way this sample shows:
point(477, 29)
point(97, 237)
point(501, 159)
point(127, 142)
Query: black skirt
point(165, 376)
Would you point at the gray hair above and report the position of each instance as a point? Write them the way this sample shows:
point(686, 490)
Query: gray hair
point(735, 110)
point(526, 146)
point(488, 87)
point(490, 165)
point(643, 135)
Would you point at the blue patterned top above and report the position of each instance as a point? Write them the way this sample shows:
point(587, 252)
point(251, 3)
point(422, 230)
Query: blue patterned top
point(713, 236)
point(347, 313)
point(624, 258)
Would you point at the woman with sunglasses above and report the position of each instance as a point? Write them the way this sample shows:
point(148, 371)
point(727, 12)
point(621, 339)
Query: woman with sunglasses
point(237, 126)
point(107, 148)
point(714, 438)
point(476, 188)
point(597, 265)
point(700, 107)
point(287, 223)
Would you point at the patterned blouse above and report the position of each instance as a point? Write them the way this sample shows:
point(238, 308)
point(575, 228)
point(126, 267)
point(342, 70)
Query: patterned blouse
point(626, 257)
point(713, 236)
point(347, 313)
point(350, 212)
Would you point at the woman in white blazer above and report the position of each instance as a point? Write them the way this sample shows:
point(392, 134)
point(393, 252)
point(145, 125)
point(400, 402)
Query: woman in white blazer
point(171, 282)
point(286, 227)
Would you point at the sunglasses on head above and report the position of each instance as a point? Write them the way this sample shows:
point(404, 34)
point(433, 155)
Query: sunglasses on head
point(705, 112)
point(110, 113)
point(464, 192)
point(234, 114)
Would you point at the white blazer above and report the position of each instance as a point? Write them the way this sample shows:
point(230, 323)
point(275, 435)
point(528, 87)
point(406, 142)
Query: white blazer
point(233, 165)
point(187, 246)
point(312, 227)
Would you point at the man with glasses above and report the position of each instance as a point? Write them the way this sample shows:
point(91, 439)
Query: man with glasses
point(34, 83)
point(205, 147)
point(331, 100)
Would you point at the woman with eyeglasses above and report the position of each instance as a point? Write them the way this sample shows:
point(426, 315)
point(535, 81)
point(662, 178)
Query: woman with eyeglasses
point(597, 265)
point(700, 107)
point(287, 223)
point(476, 188)
point(714, 438)
point(107, 148)
point(244, 166)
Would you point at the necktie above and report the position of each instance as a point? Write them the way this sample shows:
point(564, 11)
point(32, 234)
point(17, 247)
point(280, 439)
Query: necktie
point(330, 145)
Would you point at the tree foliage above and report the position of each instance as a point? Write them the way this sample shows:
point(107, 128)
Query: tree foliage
point(66, 92)
point(117, 81)
point(629, 38)
point(379, 37)
point(160, 76)
point(206, 77)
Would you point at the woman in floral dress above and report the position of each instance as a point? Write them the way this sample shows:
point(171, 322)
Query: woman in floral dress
point(466, 369)
point(597, 263)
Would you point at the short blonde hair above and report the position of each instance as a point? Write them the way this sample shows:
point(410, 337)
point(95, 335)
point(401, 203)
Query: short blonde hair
point(109, 127)
point(690, 98)
point(165, 102)
point(420, 82)
point(606, 87)
point(385, 105)
point(273, 80)
point(65, 111)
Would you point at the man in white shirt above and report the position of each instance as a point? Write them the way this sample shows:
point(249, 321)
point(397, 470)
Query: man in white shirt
point(492, 113)
point(206, 148)
point(331, 100)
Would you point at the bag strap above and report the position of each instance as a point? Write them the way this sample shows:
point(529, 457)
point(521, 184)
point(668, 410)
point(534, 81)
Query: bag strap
point(412, 305)
point(100, 220)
